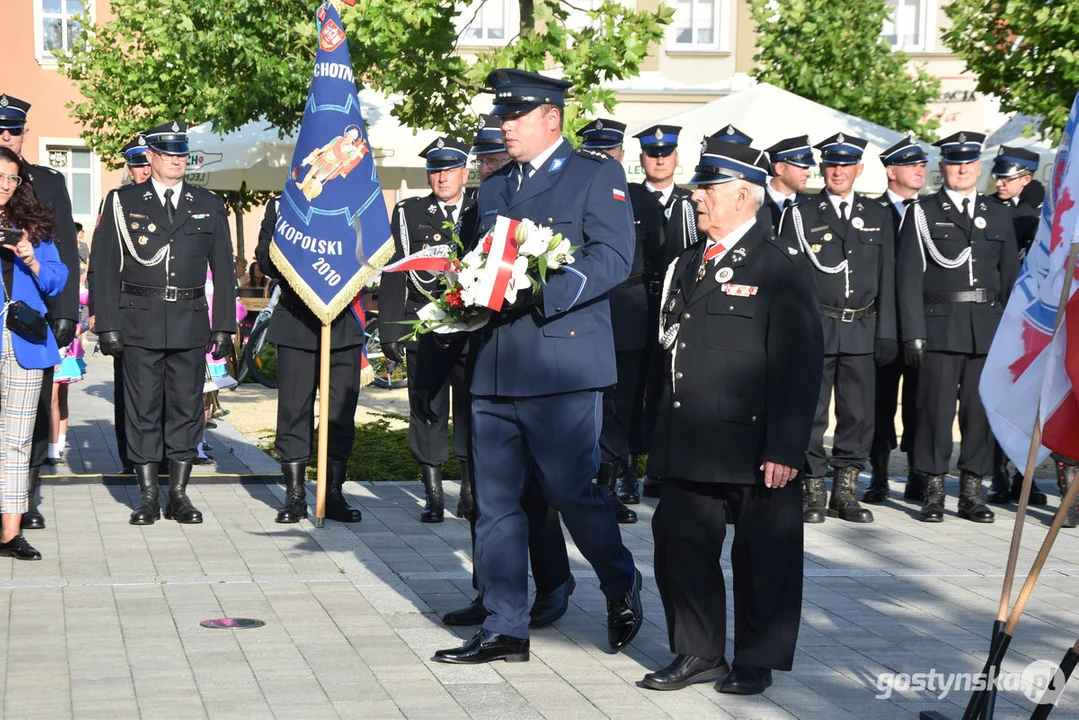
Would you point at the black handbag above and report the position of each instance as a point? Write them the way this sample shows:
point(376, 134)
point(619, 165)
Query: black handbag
point(26, 322)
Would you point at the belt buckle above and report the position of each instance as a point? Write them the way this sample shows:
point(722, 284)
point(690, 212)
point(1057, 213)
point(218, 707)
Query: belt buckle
point(981, 295)
point(847, 315)
point(171, 293)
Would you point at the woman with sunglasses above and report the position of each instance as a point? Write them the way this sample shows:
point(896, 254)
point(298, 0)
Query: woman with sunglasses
point(31, 269)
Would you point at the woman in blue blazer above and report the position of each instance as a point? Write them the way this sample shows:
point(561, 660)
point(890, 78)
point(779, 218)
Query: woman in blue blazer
point(31, 270)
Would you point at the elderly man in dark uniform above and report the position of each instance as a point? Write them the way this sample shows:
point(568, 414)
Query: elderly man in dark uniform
point(419, 223)
point(297, 332)
point(1013, 171)
point(904, 164)
point(744, 355)
point(546, 544)
point(153, 246)
point(541, 366)
point(849, 240)
point(792, 162)
point(623, 417)
point(63, 309)
point(956, 266)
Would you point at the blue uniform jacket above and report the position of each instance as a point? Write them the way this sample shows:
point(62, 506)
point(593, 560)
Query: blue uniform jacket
point(24, 286)
point(565, 344)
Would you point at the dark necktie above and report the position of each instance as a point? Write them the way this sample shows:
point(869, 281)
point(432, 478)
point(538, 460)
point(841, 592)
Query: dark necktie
point(170, 211)
point(786, 203)
point(843, 210)
point(966, 213)
point(658, 195)
point(447, 210)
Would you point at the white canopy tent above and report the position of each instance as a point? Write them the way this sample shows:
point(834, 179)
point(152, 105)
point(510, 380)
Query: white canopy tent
point(769, 115)
point(255, 154)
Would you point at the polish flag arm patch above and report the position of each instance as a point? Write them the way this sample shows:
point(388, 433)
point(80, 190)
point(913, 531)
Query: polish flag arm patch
point(618, 194)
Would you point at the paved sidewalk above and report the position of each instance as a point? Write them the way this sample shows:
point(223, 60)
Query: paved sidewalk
point(107, 625)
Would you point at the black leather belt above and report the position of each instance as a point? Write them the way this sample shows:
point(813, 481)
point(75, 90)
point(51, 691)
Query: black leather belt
point(981, 295)
point(848, 315)
point(167, 293)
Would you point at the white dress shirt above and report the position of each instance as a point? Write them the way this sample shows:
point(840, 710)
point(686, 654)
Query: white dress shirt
point(958, 199)
point(160, 189)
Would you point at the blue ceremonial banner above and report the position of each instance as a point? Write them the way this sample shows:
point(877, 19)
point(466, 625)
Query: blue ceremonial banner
point(332, 232)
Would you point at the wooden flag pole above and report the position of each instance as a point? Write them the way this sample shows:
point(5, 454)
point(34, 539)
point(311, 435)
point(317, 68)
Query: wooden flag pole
point(323, 425)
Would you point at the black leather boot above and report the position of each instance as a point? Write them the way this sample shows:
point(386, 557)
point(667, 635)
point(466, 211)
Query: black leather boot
point(1066, 476)
point(933, 504)
point(1036, 497)
point(179, 507)
point(878, 483)
point(814, 499)
point(149, 508)
point(465, 503)
point(1000, 492)
point(915, 488)
point(606, 478)
point(32, 519)
point(434, 507)
point(971, 506)
point(629, 485)
point(844, 503)
point(295, 508)
point(337, 508)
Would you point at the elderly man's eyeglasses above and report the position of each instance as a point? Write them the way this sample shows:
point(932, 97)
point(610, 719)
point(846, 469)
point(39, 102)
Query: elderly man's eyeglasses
point(12, 180)
point(13, 131)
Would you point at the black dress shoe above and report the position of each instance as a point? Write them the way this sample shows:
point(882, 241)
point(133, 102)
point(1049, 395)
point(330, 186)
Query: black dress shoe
point(746, 680)
point(625, 615)
point(486, 646)
point(18, 548)
point(686, 670)
point(472, 614)
point(548, 607)
point(208, 460)
point(650, 487)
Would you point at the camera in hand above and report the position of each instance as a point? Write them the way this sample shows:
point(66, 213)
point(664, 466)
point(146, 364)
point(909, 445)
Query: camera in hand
point(10, 236)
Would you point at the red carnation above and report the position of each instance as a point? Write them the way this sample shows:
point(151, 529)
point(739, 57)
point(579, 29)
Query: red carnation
point(487, 244)
point(454, 298)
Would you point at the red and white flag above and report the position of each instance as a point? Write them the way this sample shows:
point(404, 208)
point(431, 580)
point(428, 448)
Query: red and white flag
point(497, 270)
point(1029, 368)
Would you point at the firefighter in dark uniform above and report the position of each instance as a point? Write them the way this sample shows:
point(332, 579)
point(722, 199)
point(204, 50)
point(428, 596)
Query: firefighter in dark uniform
point(419, 223)
point(792, 162)
point(62, 309)
point(546, 544)
point(850, 241)
point(1013, 171)
point(659, 161)
point(297, 333)
point(153, 246)
point(623, 415)
point(904, 163)
point(744, 356)
point(956, 266)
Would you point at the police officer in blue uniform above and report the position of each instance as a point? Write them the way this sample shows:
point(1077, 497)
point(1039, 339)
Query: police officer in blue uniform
point(433, 363)
point(62, 309)
point(659, 161)
point(623, 418)
point(743, 348)
point(904, 163)
point(540, 369)
point(792, 161)
point(153, 246)
point(955, 269)
point(850, 242)
point(546, 544)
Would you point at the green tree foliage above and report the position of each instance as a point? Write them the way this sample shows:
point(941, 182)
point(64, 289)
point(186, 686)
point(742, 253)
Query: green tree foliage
point(832, 53)
point(231, 61)
point(1025, 52)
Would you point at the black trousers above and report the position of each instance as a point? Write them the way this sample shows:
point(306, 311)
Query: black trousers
point(853, 377)
point(546, 543)
point(887, 402)
point(689, 528)
point(941, 379)
point(163, 410)
point(432, 370)
point(297, 380)
point(39, 441)
point(118, 410)
point(623, 409)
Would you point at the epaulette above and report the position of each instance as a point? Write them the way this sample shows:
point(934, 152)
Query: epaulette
point(597, 155)
point(407, 200)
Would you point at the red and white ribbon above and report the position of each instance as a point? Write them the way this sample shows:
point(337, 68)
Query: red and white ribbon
point(435, 259)
point(497, 271)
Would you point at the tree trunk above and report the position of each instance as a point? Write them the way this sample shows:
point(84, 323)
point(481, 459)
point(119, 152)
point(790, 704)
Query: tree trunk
point(528, 16)
point(238, 211)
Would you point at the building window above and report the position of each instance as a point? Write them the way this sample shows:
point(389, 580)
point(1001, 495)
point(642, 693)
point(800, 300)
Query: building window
point(76, 164)
point(55, 26)
point(699, 25)
point(910, 25)
point(488, 22)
